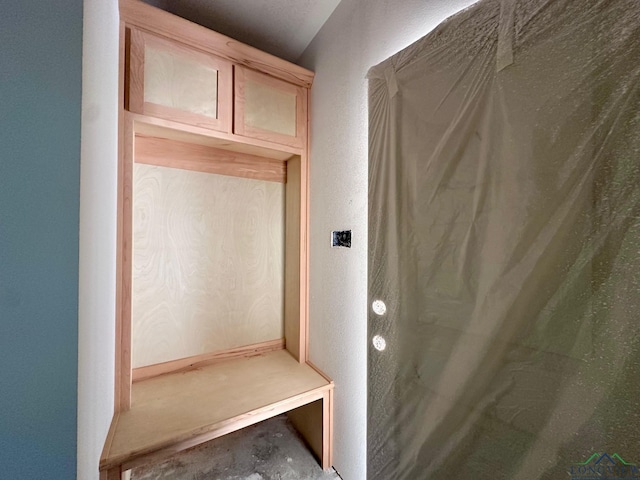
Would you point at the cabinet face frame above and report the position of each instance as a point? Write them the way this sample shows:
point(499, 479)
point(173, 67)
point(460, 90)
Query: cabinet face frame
point(138, 41)
point(182, 126)
point(243, 75)
point(253, 153)
point(296, 257)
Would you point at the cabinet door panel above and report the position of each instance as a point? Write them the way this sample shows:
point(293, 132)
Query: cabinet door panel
point(269, 109)
point(179, 82)
point(171, 81)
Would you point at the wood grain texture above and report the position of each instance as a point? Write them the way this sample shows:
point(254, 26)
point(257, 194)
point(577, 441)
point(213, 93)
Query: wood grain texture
point(110, 434)
point(119, 224)
point(220, 429)
point(208, 270)
point(173, 412)
point(163, 128)
point(198, 361)
point(320, 372)
point(307, 420)
point(180, 82)
point(134, 70)
point(122, 394)
point(292, 261)
point(201, 158)
point(115, 473)
point(327, 429)
point(152, 19)
point(169, 80)
point(269, 109)
point(304, 234)
point(303, 259)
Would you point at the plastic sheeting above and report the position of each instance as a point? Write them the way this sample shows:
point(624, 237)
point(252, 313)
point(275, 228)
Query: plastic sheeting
point(504, 241)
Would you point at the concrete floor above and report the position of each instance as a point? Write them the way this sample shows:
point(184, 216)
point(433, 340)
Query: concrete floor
point(270, 450)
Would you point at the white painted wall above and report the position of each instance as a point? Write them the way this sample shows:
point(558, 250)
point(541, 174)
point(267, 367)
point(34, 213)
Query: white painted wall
point(359, 35)
point(98, 170)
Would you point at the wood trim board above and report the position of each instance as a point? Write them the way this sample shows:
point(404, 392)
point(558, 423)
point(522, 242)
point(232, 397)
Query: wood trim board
point(292, 306)
point(115, 473)
point(304, 257)
point(304, 234)
point(163, 128)
point(119, 228)
point(320, 372)
point(315, 423)
point(198, 361)
point(134, 72)
point(110, 434)
point(201, 158)
point(122, 394)
point(327, 429)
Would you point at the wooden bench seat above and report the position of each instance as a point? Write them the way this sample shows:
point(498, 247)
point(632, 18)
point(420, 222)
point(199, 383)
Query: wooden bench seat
point(176, 411)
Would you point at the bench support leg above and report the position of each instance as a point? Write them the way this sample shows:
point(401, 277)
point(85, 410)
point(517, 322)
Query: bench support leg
point(314, 422)
point(327, 430)
point(114, 473)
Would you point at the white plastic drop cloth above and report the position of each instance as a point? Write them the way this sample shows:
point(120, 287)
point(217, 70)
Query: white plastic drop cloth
point(504, 241)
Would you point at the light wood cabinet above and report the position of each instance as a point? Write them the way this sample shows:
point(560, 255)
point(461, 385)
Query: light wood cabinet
point(269, 109)
point(212, 280)
point(167, 79)
point(170, 80)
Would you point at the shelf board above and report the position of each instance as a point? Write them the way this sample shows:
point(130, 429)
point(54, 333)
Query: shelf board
point(177, 411)
point(161, 128)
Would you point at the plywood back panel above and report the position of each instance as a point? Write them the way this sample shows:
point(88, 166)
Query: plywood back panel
point(180, 82)
point(208, 263)
point(269, 108)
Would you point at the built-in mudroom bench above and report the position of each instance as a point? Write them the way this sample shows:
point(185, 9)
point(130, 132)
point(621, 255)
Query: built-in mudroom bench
point(212, 279)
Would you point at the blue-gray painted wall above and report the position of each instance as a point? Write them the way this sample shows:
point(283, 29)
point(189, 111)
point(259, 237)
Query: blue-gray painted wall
point(40, 102)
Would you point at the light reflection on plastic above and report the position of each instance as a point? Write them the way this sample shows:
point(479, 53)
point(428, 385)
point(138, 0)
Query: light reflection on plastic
point(379, 343)
point(379, 308)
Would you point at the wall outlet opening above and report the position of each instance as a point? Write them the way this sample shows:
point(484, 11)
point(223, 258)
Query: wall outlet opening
point(341, 238)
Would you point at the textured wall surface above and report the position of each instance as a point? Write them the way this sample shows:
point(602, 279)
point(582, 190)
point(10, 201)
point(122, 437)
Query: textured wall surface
point(359, 34)
point(96, 304)
point(282, 28)
point(208, 263)
point(40, 88)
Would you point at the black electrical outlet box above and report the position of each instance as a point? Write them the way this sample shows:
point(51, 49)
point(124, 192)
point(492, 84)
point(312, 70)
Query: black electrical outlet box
point(341, 239)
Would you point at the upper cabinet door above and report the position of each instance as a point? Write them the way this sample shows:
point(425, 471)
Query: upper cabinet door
point(172, 81)
point(269, 109)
